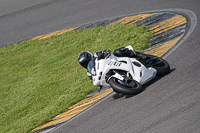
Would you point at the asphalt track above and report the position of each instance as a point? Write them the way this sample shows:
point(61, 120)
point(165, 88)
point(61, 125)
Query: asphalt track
point(169, 104)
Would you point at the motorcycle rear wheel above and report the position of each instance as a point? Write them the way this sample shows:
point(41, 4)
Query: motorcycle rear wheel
point(119, 86)
point(161, 65)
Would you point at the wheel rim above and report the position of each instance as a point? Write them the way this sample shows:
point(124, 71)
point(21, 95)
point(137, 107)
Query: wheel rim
point(129, 83)
point(156, 62)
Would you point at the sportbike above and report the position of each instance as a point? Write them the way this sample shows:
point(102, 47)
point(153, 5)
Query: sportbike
point(126, 75)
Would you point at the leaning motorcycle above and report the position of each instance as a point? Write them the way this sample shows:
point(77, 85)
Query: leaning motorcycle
point(126, 75)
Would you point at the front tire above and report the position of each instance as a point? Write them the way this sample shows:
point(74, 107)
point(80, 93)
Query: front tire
point(131, 88)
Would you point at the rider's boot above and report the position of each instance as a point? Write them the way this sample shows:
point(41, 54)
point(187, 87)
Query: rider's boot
point(130, 48)
point(137, 54)
point(128, 51)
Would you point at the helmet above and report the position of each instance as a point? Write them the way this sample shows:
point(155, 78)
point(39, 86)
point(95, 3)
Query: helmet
point(84, 58)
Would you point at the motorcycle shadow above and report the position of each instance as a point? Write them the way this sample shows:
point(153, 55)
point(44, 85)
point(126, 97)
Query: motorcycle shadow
point(144, 87)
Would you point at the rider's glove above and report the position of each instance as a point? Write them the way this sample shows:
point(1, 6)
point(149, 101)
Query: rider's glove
point(99, 55)
point(107, 53)
point(102, 55)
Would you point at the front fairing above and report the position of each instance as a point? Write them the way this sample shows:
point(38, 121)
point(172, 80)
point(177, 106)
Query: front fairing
point(96, 68)
point(103, 66)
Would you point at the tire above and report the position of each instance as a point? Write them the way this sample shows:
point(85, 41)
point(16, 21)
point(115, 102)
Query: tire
point(161, 65)
point(120, 87)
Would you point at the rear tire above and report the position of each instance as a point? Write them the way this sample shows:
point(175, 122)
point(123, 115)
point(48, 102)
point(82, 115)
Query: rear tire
point(120, 87)
point(161, 65)
point(162, 71)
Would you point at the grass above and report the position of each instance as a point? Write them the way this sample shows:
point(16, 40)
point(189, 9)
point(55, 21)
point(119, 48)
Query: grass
point(42, 78)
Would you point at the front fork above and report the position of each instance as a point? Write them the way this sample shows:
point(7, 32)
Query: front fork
point(117, 75)
point(120, 76)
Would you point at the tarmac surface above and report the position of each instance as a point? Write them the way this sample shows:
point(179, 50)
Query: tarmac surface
point(168, 104)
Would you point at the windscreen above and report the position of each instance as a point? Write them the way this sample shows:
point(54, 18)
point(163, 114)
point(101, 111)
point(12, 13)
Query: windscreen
point(91, 67)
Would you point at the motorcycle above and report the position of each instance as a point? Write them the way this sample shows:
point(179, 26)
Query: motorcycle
point(126, 75)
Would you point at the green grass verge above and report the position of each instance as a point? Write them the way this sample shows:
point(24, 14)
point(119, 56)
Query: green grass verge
point(42, 78)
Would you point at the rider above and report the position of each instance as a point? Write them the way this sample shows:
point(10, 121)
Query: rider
point(128, 51)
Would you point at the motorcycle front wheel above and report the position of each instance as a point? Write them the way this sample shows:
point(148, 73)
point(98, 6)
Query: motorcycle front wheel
point(129, 87)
